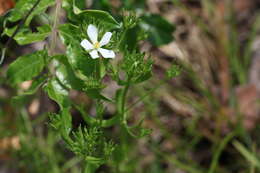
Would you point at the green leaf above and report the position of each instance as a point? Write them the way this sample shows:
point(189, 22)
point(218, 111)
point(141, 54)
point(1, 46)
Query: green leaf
point(173, 71)
point(70, 34)
point(26, 67)
point(24, 98)
point(73, 9)
point(25, 36)
point(134, 4)
point(94, 160)
point(66, 75)
point(57, 93)
point(145, 76)
point(159, 30)
point(63, 123)
point(97, 15)
point(137, 68)
point(95, 94)
point(129, 39)
point(36, 84)
point(90, 144)
point(67, 5)
point(102, 5)
point(79, 60)
point(24, 6)
point(137, 131)
point(248, 155)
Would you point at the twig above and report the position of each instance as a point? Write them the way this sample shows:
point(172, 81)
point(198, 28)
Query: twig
point(54, 27)
point(16, 31)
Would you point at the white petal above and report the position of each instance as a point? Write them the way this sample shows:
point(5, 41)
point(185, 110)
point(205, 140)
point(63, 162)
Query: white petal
point(92, 33)
point(87, 45)
point(94, 54)
point(107, 53)
point(106, 38)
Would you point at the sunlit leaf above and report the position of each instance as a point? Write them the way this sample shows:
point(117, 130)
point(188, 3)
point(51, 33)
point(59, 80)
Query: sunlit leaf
point(65, 74)
point(102, 16)
point(70, 34)
point(57, 93)
point(26, 67)
point(80, 61)
point(24, 6)
point(25, 36)
point(77, 57)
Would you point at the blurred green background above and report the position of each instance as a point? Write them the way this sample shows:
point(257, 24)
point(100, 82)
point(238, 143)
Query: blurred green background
point(204, 121)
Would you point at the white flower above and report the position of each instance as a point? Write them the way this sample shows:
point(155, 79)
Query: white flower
point(95, 47)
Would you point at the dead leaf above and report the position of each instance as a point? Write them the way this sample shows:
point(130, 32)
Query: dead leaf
point(5, 5)
point(10, 143)
point(247, 104)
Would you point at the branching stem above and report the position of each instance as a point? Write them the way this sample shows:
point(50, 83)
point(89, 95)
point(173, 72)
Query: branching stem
point(16, 31)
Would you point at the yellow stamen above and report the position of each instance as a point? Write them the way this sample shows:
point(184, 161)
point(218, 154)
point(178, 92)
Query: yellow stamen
point(96, 45)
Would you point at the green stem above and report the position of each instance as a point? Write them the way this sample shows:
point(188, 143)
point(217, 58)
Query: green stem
point(217, 153)
point(124, 99)
point(90, 167)
point(121, 102)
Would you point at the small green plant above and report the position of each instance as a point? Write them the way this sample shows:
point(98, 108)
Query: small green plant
point(93, 40)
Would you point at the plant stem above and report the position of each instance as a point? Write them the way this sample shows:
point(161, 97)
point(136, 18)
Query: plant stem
point(54, 27)
point(16, 31)
point(124, 99)
point(219, 150)
point(89, 167)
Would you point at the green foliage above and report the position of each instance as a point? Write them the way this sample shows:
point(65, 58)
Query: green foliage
point(81, 62)
point(91, 145)
point(102, 132)
point(159, 30)
point(25, 36)
point(248, 155)
point(26, 67)
point(173, 71)
point(66, 75)
point(136, 67)
point(24, 6)
point(75, 69)
point(107, 20)
point(132, 33)
point(57, 93)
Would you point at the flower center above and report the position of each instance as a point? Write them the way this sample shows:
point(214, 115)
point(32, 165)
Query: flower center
point(96, 45)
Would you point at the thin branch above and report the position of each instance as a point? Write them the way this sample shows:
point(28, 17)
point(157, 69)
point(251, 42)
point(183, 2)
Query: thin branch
point(16, 31)
point(54, 28)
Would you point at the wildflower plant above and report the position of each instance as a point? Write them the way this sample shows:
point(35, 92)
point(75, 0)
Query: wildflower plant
point(93, 39)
